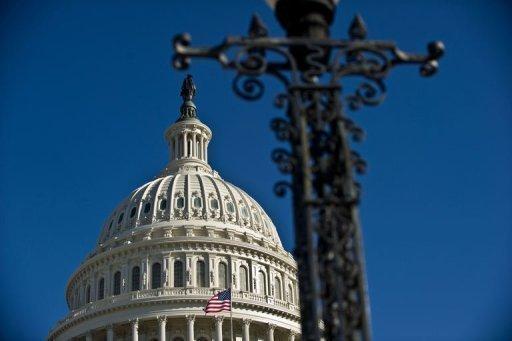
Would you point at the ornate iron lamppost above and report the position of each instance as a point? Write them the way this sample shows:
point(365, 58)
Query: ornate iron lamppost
point(311, 66)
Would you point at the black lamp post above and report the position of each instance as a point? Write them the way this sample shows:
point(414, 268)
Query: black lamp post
point(311, 66)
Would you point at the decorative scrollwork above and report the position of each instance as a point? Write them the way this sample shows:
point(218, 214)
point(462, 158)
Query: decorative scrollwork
point(281, 188)
point(284, 160)
point(371, 92)
point(248, 87)
point(283, 129)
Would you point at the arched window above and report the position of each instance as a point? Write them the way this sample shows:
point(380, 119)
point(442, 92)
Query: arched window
point(244, 280)
point(198, 202)
point(180, 202)
point(147, 207)
point(88, 294)
point(133, 211)
point(262, 285)
point(290, 292)
point(201, 273)
point(277, 287)
point(230, 207)
point(135, 278)
point(214, 203)
point(178, 273)
point(156, 275)
point(163, 204)
point(117, 283)
point(223, 275)
point(101, 289)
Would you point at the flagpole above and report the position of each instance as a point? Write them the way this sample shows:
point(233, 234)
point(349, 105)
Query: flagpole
point(231, 310)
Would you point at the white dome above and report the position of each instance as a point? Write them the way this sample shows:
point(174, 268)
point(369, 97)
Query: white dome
point(175, 242)
point(192, 196)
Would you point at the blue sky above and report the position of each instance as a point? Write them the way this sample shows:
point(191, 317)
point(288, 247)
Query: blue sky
point(86, 93)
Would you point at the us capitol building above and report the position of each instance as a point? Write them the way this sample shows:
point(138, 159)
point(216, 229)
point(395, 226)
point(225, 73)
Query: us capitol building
point(172, 244)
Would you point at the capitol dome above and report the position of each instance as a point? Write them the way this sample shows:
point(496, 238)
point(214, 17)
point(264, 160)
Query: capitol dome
point(172, 244)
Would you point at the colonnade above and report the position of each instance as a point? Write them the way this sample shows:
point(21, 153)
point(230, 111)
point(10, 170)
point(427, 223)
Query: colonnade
point(190, 144)
point(190, 336)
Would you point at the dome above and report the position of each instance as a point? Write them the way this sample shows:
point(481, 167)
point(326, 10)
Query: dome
point(171, 245)
point(190, 196)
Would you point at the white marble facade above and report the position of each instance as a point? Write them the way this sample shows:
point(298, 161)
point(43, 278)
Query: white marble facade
point(172, 244)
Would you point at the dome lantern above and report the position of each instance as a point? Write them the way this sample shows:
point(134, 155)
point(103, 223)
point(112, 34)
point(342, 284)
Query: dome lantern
point(188, 137)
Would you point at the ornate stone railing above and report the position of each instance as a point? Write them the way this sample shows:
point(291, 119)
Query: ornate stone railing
point(178, 293)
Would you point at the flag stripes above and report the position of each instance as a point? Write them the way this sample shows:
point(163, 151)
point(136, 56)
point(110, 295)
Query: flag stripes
point(219, 302)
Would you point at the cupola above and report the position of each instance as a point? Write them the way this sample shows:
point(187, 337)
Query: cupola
point(188, 137)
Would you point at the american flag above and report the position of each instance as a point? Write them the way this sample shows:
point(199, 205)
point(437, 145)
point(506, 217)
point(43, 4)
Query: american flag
point(219, 302)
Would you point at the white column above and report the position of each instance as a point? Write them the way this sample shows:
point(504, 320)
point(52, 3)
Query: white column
point(218, 328)
point(202, 147)
point(194, 145)
point(88, 336)
point(135, 329)
point(206, 152)
point(110, 332)
point(291, 336)
point(246, 323)
point(161, 327)
point(270, 331)
point(185, 144)
point(190, 327)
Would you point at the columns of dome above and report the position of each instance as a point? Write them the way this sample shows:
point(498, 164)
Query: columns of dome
point(185, 144)
point(135, 329)
point(162, 320)
point(124, 278)
point(188, 270)
point(166, 271)
point(246, 323)
point(194, 145)
point(190, 327)
point(291, 336)
point(270, 331)
point(202, 147)
point(206, 151)
point(110, 333)
point(218, 327)
point(144, 267)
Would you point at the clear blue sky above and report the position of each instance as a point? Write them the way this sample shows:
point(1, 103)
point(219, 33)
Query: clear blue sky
point(86, 93)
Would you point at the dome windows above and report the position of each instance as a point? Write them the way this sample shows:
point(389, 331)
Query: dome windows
point(178, 274)
point(147, 207)
point(230, 207)
point(223, 275)
point(135, 278)
point(244, 279)
point(163, 204)
point(156, 276)
point(120, 219)
point(198, 202)
point(133, 211)
point(201, 273)
point(245, 212)
point(214, 203)
point(88, 294)
point(117, 283)
point(101, 289)
point(180, 202)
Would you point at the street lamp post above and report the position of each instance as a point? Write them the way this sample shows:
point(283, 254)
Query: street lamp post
point(325, 195)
